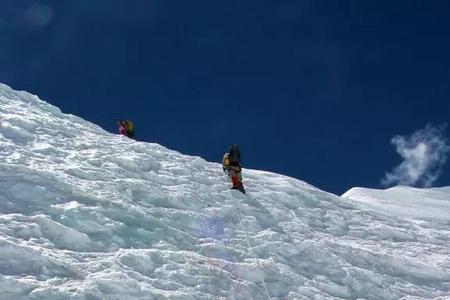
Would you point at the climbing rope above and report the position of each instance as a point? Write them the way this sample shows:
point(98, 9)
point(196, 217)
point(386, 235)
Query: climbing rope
point(241, 223)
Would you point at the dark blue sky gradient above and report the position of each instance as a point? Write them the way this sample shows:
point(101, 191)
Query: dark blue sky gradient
point(311, 89)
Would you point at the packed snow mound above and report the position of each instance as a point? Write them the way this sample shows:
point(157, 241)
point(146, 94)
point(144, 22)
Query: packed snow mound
point(86, 215)
point(404, 201)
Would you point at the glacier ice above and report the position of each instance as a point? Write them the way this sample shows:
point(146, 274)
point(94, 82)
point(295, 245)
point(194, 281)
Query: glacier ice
point(86, 214)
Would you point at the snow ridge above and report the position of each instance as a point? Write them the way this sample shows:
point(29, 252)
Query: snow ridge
point(85, 214)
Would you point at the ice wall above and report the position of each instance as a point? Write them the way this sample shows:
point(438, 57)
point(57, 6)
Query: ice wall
point(85, 214)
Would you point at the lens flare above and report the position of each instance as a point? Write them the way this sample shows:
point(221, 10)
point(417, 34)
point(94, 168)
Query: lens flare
point(38, 15)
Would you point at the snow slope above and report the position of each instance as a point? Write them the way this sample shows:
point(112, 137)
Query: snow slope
point(422, 204)
point(85, 214)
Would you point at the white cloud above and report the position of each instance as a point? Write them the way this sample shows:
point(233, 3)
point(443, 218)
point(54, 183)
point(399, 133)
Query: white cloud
point(424, 153)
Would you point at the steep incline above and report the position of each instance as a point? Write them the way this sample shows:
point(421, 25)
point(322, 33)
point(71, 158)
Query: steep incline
point(85, 214)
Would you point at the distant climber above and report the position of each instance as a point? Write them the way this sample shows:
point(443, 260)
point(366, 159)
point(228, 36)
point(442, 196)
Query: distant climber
point(232, 165)
point(126, 128)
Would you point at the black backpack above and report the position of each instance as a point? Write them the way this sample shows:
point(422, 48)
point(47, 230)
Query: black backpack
point(234, 156)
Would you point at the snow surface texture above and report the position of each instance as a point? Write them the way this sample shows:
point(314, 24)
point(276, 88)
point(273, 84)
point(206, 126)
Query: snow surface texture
point(85, 214)
point(432, 204)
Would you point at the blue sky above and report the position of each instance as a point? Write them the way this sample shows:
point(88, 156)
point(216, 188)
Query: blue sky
point(311, 89)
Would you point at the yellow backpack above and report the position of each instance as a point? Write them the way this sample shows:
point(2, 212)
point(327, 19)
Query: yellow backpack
point(226, 161)
point(129, 126)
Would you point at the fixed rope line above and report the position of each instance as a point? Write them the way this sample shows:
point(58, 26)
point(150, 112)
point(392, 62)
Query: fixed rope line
point(249, 249)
